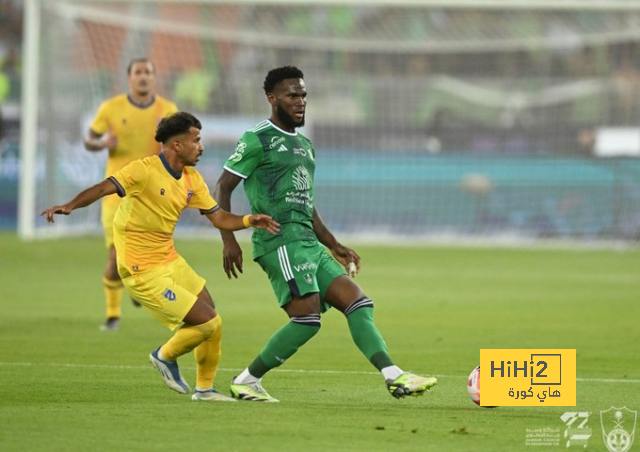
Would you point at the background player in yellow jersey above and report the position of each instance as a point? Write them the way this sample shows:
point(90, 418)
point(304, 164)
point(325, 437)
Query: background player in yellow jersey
point(156, 190)
point(125, 125)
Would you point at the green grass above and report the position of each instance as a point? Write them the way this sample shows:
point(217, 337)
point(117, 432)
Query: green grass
point(65, 386)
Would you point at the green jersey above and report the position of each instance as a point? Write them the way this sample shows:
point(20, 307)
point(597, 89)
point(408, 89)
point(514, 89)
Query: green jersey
point(278, 169)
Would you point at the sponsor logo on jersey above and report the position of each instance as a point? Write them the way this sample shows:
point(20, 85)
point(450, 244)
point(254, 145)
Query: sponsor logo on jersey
point(306, 266)
point(162, 192)
point(189, 196)
point(237, 154)
point(275, 141)
point(301, 179)
point(169, 295)
point(299, 198)
point(282, 148)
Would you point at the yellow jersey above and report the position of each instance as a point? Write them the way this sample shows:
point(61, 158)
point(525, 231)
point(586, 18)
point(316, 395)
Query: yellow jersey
point(154, 196)
point(134, 125)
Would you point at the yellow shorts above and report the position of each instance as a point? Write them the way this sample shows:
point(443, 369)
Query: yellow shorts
point(168, 292)
point(110, 205)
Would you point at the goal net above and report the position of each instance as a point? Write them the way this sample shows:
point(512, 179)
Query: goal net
point(431, 120)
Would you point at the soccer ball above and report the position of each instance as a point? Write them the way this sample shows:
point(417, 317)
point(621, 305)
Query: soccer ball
point(473, 385)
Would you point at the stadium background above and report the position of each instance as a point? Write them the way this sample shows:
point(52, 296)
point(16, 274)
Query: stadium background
point(431, 122)
point(439, 121)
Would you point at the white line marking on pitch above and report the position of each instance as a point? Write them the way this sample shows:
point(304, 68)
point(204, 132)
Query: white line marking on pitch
point(300, 371)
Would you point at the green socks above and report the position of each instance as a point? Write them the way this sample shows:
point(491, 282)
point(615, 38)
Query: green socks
point(283, 344)
point(367, 337)
point(288, 339)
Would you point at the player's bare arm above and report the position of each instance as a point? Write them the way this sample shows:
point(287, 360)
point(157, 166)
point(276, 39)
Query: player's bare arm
point(97, 142)
point(345, 255)
point(231, 251)
point(83, 199)
point(226, 221)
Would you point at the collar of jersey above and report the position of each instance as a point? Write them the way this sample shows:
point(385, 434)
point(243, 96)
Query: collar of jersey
point(293, 134)
point(175, 175)
point(147, 105)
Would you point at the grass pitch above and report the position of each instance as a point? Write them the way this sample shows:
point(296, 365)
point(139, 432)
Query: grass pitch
point(65, 386)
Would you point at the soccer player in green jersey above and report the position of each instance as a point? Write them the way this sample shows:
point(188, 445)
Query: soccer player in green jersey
point(277, 165)
point(155, 191)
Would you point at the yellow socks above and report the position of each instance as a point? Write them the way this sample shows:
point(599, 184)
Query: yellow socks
point(113, 296)
point(206, 339)
point(208, 356)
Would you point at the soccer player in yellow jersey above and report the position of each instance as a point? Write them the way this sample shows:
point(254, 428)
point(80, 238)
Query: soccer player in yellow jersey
point(125, 125)
point(155, 190)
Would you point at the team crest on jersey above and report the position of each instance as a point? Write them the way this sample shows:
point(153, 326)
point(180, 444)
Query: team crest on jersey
point(301, 179)
point(169, 295)
point(237, 154)
point(162, 192)
point(189, 196)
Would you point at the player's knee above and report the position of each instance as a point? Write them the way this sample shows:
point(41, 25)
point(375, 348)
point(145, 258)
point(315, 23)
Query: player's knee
point(364, 302)
point(312, 321)
point(208, 328)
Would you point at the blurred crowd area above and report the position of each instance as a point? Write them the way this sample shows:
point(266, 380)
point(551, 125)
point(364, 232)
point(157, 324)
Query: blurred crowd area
point(407, 79)
point(10, 65)
point(474, 42)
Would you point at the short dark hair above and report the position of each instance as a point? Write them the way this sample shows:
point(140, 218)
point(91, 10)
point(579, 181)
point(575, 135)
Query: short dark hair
point(275, 76)
point(139, 60)
point(176, 124)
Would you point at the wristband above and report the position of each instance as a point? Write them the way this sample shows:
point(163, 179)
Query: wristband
point(246, 222)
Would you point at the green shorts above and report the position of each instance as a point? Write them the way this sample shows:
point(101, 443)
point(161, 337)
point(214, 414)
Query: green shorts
point(300, 268)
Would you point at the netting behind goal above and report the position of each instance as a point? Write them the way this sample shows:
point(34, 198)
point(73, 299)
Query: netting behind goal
point(428, 121)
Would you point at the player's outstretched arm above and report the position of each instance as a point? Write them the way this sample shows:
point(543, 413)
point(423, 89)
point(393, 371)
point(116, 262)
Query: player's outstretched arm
point(227, 221)
point(231, 251)
point(82, 199)
point(345, 255)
